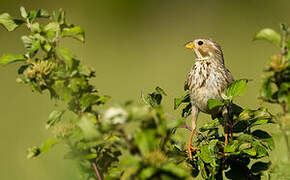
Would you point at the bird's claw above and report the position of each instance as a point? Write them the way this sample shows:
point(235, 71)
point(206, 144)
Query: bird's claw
point(191, 149)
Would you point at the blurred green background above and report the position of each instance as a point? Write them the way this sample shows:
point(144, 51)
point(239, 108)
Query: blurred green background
point(134, 46)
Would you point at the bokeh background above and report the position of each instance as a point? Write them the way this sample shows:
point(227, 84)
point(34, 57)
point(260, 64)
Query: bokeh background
point(134, 45)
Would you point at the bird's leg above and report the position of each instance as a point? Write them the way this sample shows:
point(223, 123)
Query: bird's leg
point(226, 117)
point(194, 113)
point(226, 139)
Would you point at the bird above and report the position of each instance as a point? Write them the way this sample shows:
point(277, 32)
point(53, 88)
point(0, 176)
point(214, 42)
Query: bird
point(207, 79)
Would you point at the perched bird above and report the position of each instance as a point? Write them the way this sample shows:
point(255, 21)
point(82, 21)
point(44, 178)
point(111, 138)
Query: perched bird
point(207, 79)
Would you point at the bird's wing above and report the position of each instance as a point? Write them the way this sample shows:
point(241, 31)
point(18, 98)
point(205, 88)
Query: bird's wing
point(230, 77)
point(186, 85)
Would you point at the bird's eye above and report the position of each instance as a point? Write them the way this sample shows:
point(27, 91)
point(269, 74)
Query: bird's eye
point(200, 43)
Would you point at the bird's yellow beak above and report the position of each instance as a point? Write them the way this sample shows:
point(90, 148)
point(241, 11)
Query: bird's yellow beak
point(189, 45)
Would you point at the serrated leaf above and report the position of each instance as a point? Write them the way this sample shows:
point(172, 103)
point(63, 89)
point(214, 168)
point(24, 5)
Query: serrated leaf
point(65, 55)
point(269, 35)
point(264, 137)
point(175, 169)
point(145, 140)
point(237, 88)
point(259, 167)
point(154, 99)
point(232, 147)
point(43, 148)
point(35, 27)
point(31, 45)
point(87, 100)
point(184, 99)
point(88, 127)
point(213, 103)
point(54, 117)
point(75, 32)
point(9, 58)
point(252, 151)
point(62, 90)
point(210, 125)
point(160, 91)
point(146, 173)
point(42, 13)
point(23, 12)
point(59, 16)
point(205, 154)
point(186, 111)
point(50, 29)
point(266, 89)
point(48, 144)
point(8, 22)
point(32, 16)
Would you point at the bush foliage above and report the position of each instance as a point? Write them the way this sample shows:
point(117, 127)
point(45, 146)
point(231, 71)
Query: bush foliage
point(127, 141)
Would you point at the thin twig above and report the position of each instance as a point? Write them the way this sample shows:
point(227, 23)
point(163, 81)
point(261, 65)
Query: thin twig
point(98, 174)
point(284, 131)
point(132, 147)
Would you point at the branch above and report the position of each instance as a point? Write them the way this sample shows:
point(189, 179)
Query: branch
point(98, 174)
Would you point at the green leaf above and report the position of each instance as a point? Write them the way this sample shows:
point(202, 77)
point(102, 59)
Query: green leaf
point(206, 154)
point(186, 111)
point(232, 147)
point(175, 169)
point(9, 23)
point(33, 152)
point(87, 100)
point(48, 144)
point(31, 45)
point(62, 90)
point(32, 16)
point(264, 137)
point(51, 29)
point(159, 90)
point(74, 32)
point(184, 99)
point(259, 167)
point(102, 99)
point(269, 35)
point(210, 125)
point(266, 91)
point(240, 126)
point(59, 16)
point(237, 88)
point(284, 92)
point(251, 151)
point(43, 148)
point(154, 99)
point(8, 58)
point(146, 173)
point(145, 140)
point(244, 146)
point(42, 13)
point(88, 127)
point(23, 12)
point(35, 27)
point(53, 118)
point(65, 55)
point(213, 146)
point(78, 83)
point(213, 103)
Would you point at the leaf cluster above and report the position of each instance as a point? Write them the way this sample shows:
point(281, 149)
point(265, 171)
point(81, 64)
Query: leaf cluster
point(126, 141)
point(276, 85)
point(246, 145)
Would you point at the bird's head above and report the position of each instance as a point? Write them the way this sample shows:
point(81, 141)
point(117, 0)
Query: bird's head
point(206, 49)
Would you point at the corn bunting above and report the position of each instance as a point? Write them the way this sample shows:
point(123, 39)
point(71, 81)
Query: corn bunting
point(207, 79)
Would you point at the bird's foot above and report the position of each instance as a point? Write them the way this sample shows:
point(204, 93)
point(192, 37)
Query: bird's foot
point(191, 149)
